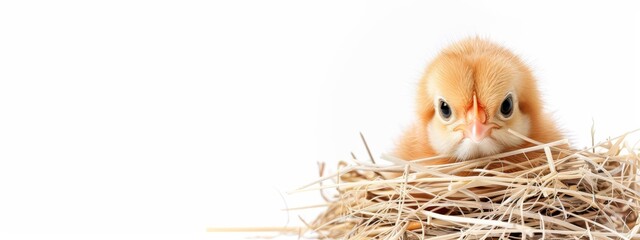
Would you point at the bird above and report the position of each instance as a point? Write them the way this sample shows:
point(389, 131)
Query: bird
point(468, 98)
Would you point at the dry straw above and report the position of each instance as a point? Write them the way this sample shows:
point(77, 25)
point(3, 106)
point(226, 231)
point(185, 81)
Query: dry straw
point(544, 191)
point(554, 193)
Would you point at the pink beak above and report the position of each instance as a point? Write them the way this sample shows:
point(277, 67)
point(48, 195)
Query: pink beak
point(477, 128)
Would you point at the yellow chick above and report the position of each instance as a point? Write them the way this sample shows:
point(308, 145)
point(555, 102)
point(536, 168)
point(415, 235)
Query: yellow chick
point(470, 95)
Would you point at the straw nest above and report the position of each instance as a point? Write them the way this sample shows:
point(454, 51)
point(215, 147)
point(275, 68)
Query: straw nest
point(555, 193)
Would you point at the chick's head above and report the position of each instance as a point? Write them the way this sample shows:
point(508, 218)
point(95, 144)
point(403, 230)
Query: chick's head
point(471, 94)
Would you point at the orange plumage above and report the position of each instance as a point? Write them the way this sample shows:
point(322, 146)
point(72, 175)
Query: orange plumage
point(468, 98)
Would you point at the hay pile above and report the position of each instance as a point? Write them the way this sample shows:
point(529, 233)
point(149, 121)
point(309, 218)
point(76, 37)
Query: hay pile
point(555, 194)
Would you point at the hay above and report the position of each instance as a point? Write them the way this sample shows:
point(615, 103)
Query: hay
point(555, 193)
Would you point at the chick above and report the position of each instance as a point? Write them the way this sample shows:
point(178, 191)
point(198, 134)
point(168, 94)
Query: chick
point(468, 98)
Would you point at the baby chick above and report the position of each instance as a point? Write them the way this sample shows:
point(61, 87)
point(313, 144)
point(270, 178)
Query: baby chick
point(470, 95)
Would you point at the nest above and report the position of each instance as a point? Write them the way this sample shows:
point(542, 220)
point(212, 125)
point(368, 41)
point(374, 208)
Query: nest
point(554, 193)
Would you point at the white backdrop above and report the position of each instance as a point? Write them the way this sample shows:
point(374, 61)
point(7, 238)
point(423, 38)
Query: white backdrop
point(160, 117)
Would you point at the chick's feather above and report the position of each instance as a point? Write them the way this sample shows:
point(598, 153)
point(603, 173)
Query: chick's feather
point(475, 67)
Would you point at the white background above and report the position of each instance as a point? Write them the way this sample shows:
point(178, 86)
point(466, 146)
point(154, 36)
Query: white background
point(138, 118)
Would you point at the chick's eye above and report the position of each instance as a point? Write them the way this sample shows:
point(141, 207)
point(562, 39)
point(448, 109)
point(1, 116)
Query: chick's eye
point(506, 108)
point(445, 110)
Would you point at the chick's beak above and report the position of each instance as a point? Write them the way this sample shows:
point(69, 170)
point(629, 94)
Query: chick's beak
point(476, 127)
